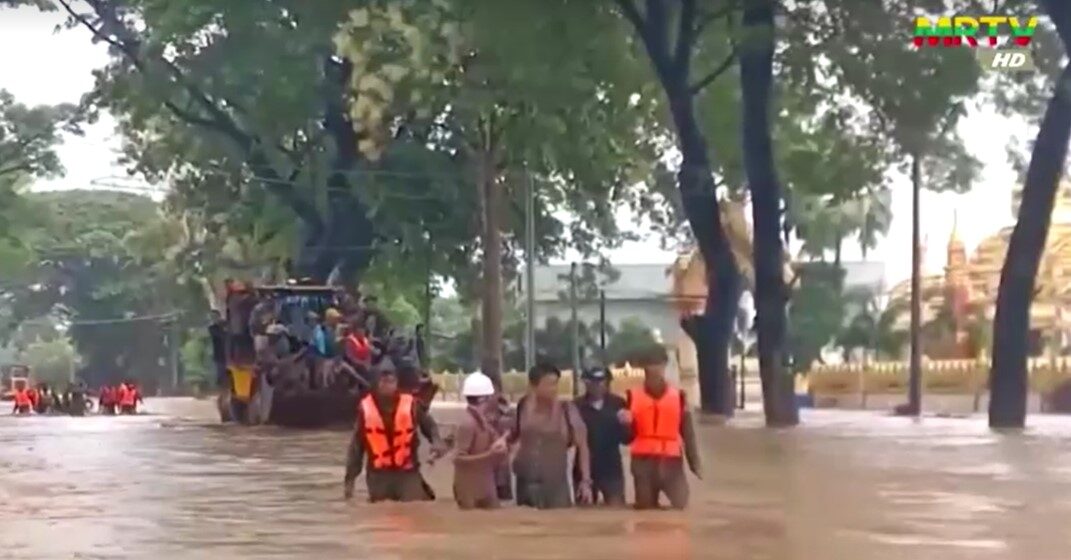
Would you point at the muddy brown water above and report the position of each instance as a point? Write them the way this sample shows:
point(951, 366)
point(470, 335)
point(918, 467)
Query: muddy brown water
point(854, 486)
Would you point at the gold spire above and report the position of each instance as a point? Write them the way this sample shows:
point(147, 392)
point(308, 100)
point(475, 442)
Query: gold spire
point(954, 242)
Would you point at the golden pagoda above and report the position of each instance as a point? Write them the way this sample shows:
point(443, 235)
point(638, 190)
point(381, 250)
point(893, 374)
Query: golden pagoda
point(965, 294)
point(689, 272)
point(689, 276)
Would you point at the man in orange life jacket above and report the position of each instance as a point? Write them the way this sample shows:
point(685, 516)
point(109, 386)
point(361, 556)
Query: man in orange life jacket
point(24, 400)
point(129, 397)
point(386, 436)
point(663, 436)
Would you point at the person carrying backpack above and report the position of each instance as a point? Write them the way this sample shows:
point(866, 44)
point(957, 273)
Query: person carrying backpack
point(546, 428)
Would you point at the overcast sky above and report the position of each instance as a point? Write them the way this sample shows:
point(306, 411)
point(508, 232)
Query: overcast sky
point(41, 66)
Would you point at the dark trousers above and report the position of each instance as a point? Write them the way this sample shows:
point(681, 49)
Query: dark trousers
point(654, 476)
point(397, 486)
point(543, 495)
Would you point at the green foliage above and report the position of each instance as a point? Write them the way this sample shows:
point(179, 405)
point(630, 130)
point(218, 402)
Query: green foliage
point(51, 362)
point(28, 136)
point(100, 258)
point(816, 313)
point(196, 356)
point(631, 339)
point(454, 343)
point(876, 330)
point(562, 112)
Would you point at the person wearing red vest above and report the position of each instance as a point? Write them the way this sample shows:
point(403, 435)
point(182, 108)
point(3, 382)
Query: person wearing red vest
point(129, 397)
point(663, 437)
point(109, 398)
point(385, 437)
point(24, 400)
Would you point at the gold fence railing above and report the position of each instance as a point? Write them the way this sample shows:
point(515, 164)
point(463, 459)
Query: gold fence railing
point(953, 377)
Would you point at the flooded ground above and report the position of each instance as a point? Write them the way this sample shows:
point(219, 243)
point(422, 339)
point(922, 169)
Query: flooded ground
point(845, 485)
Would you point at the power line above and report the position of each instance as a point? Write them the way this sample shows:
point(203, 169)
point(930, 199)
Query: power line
point(90, 322)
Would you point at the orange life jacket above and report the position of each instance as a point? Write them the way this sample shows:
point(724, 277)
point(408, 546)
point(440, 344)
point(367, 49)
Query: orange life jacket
point(656, 423)
point(393, 450)
point(23, 397)
point(127, 395)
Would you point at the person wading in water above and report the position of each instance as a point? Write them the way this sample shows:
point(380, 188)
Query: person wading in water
point(663, 436)
point(386, 437)
point(545, 430)
point(598, 408)
point(479, 447)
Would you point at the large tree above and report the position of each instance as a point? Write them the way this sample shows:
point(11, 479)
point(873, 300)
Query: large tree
point(101, 268)
point(560, 118)
point(1008, 377)
point(28, 137)
point(686, 43)
point(756, 79)
point(239, 100)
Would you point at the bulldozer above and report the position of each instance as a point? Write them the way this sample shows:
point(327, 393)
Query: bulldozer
point(294, 391)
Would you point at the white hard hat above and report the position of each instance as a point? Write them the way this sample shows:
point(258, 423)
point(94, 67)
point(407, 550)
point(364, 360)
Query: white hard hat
point(276, 328)
point(477, 385)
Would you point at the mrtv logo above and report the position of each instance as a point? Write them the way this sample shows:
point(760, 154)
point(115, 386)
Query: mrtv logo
point(1001, 43)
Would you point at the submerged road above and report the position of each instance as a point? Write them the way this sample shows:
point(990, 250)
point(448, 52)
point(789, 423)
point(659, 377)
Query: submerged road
point(845, 485)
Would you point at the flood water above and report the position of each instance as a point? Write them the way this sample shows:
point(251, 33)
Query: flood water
point(845, 485)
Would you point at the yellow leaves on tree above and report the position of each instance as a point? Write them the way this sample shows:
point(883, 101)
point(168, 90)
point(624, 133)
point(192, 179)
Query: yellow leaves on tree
point(401, 52)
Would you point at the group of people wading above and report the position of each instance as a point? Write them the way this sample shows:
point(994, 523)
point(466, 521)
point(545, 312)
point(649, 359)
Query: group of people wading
point(653, 421)
point(122, 398)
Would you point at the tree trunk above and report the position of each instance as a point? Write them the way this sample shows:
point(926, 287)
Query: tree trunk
point(712, 332)
point(756, 77)
point(343, 246)
point(490, 197)
point(914, 381)
point(1011, 325)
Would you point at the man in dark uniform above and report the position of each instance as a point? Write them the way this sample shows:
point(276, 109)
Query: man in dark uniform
point(386, 437)
point(599, 407)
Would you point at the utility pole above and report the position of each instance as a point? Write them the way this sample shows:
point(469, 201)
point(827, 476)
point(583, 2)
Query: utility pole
point(914, 389)
point(575, 328)
point(529, 272)
point(173, 351)
point(602, 327)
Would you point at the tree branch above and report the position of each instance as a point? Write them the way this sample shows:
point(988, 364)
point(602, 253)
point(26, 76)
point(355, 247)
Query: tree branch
point(709, 78)
point(631, 13)
point(23, 167)
point(115, 33)
point(711, 17)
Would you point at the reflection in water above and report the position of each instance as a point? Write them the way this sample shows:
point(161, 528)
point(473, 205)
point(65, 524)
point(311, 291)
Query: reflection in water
point(844, 485)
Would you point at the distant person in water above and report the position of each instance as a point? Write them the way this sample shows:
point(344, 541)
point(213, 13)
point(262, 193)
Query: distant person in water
point(108, 400)
point(24, 400)
point(129, 398)
point(217, 337)
point(43, 404)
